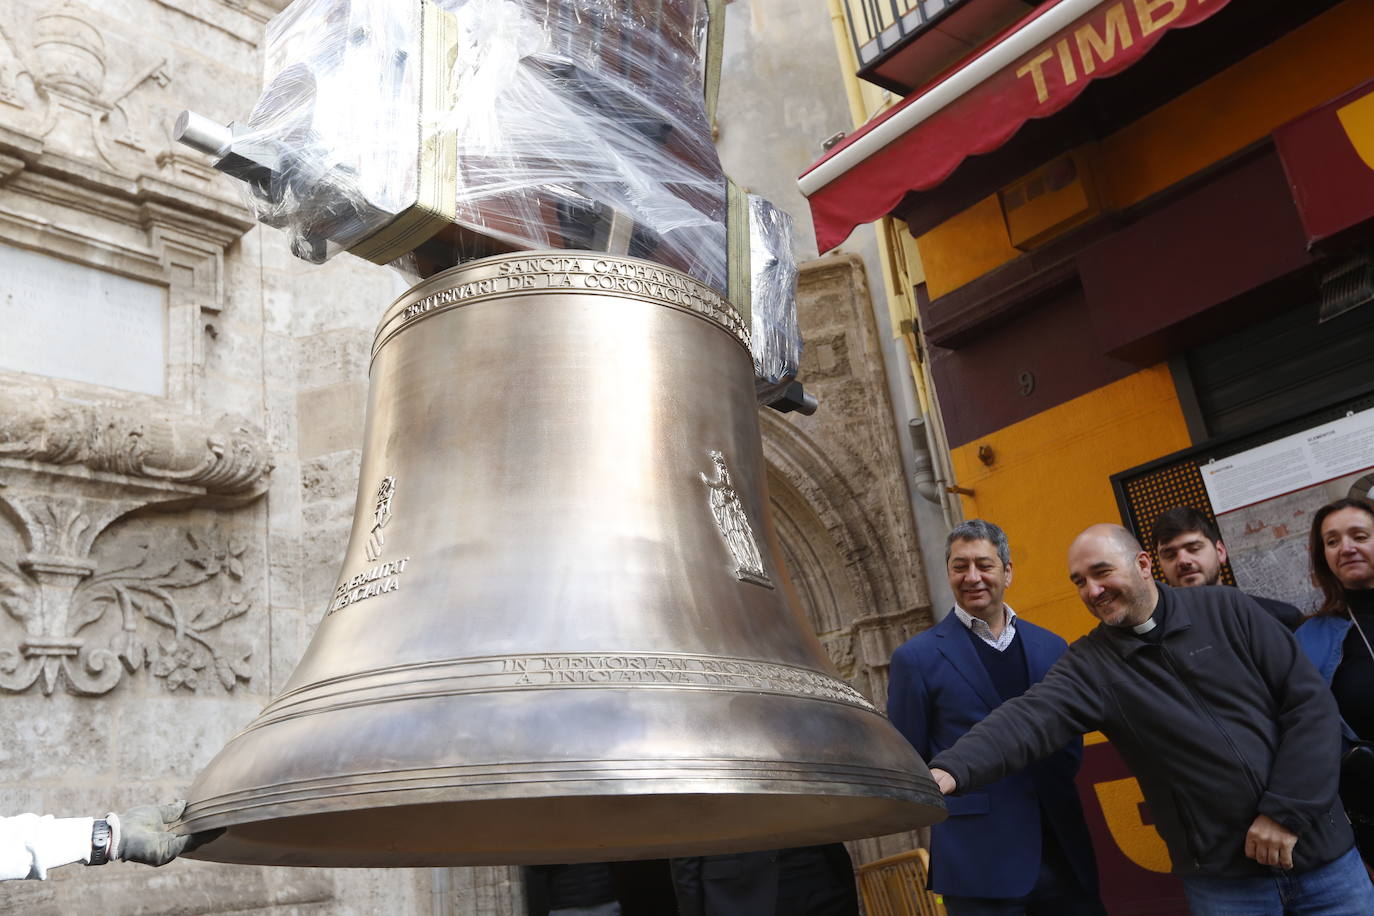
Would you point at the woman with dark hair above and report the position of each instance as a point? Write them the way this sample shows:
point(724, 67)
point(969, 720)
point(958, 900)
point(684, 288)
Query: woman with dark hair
point(1338, 640)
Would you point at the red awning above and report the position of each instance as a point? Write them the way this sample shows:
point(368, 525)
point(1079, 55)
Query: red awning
point(1031, 71)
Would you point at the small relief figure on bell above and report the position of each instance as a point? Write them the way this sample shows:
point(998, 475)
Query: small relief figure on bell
point(381, 514)
point(734, 526)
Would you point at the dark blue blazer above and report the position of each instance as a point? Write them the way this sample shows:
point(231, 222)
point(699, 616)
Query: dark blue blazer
point(990, 845)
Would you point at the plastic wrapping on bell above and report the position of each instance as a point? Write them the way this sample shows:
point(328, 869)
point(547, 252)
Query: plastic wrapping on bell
point(775, 337)
point(426, 134)
point(580, 124)
point(334, 137)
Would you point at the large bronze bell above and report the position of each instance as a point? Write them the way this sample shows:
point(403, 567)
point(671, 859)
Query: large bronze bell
point(562, 631)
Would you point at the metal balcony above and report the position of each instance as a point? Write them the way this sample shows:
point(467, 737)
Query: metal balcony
point(902, 44)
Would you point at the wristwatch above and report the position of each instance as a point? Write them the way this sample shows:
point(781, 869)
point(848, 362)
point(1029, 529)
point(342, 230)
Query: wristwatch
point(100, 842)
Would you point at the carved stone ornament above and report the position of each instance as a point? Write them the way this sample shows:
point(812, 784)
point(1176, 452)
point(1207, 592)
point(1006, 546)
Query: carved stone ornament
point(84, 108)
point(733, 523)
point(67, 472)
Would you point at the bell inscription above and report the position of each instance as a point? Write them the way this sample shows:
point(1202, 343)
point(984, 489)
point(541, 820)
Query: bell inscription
point(379, 580)
point(501, 278)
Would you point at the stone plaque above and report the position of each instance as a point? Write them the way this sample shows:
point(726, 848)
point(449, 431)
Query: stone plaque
point(70, 321)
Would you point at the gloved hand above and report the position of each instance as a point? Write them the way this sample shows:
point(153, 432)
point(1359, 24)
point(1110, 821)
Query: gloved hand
point(144, 835)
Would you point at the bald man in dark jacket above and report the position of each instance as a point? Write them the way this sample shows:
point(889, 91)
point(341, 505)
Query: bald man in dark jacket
point(1229, 729)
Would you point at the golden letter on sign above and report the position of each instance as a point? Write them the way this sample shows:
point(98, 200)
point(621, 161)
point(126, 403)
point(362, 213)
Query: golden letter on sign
point(1035, 67)
point(1118, 37)
point(1150, 21)
point(1066, 62)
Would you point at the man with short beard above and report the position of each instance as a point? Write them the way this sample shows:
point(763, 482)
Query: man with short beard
point(1191, 552)
point(1225, 723)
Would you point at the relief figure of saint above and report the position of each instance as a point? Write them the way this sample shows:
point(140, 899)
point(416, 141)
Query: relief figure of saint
point(728, 510)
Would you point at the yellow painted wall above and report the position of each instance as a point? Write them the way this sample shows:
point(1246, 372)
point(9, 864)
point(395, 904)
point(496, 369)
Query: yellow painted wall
point(1306, 68)
point(1215, 119)
point(1050, 481)
point(965, 247)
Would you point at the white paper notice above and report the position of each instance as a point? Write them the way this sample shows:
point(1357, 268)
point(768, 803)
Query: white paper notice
point(67, 320)
point(1301, 460)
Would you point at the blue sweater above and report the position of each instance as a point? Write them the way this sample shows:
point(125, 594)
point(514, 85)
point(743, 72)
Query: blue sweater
point(1322, 639)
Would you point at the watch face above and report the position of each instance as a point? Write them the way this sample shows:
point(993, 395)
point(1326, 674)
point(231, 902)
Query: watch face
point(100, 842)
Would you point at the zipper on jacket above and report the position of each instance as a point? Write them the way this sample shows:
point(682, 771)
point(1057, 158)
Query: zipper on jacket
point(1189, 829)
point(1235, 751)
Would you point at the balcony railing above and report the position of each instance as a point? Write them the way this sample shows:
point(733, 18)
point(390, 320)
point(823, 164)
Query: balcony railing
point(879, 26)
point(900, 44)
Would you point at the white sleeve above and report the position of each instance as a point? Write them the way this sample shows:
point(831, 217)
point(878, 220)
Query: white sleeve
point(30, 845)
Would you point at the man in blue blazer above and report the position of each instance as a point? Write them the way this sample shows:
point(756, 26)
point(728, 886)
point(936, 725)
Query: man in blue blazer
point(1019, 846)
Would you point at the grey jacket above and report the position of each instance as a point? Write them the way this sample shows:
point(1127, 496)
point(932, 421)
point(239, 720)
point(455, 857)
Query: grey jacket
point(1223, 719)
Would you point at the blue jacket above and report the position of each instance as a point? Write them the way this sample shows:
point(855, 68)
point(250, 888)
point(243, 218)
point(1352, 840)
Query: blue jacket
point(1322, 638)
point(990, 845)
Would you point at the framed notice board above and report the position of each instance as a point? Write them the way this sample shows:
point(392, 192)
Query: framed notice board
point(1261, 488)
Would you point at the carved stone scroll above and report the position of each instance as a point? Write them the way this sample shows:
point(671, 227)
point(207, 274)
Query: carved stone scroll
point(67, 472)
point(228, 459)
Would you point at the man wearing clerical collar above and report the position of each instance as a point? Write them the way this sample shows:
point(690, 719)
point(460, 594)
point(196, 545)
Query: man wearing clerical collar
point(948, 678)
point(1226, 724)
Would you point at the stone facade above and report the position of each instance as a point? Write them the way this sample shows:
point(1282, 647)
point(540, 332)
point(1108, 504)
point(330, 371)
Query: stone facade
point(843, 520)
point(837, 497)
point(166, 554)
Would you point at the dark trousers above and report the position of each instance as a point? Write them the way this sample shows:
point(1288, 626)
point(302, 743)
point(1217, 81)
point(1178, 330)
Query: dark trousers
point(805, 881)
point(733, 884)
point(817, 881)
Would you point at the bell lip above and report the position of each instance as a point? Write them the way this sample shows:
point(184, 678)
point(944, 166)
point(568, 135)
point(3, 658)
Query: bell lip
point(714, 308)
point(830, 815)
point(547, 780)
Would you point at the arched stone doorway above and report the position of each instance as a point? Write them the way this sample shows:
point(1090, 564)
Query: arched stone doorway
point(841, 509)
point(839, 502)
